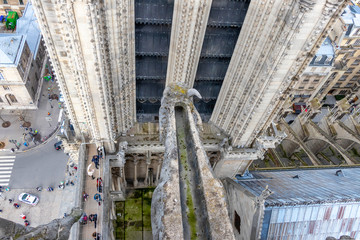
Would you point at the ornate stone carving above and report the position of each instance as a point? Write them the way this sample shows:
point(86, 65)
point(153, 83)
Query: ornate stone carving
point(187, 35)
point(259, 67)
point(121, 154)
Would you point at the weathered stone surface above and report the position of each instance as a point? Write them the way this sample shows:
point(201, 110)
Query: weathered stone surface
point(171, 217)
point(57, 229)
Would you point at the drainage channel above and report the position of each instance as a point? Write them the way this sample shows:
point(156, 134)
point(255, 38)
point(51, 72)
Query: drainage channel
point(193, 207)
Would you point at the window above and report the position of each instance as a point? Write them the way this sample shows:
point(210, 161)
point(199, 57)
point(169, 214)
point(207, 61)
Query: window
point(311, 88)
point(1, 101)
point(328, 59)
point(333, 75)
point(6, 87)
point(316, 80)
point(5, 1)
point(357, 42)
point(337, 85)
point(356, 62)
point(318, 58)
point(2, 78)
point(349, 85)
point(11, 98)
point(301, 87)
point(350, 70)
point(355, 78)
point(306, 80)
point(348, 41)
point(21, 2)
point(343, 78)
point(237, 221)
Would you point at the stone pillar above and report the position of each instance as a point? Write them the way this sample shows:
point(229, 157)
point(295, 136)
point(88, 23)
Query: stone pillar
point(158, 171)
point(123, 176)
point(271, 52)
point(136, 162)
point(120, 18)
point(148, 162)
point(187, 35)
point(122, 160)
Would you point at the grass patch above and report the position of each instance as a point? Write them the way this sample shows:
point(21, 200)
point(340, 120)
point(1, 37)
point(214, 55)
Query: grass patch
point(133, 215)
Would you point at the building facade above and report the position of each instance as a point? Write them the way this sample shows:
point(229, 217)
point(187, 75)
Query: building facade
point(22, 64)
point(12, 5)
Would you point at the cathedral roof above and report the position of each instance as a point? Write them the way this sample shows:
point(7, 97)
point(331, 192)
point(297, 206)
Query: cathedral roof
point(298, 187)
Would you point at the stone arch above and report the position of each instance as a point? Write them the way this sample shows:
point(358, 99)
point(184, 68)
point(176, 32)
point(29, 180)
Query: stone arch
point(285, 141)
point(313, 159)
point(336, 147)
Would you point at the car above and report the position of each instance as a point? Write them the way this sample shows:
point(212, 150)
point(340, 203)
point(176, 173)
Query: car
point(28, 198)
point(57, 145)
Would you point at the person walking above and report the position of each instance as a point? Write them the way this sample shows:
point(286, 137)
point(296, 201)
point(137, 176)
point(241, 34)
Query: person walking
point(95, 219)
point(99, 184)
point(26, 222)
point(95, 160)
point(85, 196)
point(91, 171)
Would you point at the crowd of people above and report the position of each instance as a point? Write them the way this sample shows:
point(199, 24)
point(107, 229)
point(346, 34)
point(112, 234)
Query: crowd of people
point(95, 164)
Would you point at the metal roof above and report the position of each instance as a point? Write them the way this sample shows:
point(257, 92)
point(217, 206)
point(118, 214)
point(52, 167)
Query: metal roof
point(28, 26)
point(10, 47)
point(312, 221)
point(310, 187)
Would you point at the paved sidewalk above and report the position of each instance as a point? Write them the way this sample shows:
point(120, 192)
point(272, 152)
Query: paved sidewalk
point(91, 206)
point(52, 205)
point(45, 124)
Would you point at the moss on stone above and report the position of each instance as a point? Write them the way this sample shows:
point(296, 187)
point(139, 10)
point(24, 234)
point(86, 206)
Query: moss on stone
point(134, 214)
point(191, 212)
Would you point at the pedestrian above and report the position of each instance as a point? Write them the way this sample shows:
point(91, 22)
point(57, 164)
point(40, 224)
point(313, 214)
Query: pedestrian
point(23, 216)
point(95, 160)
point(26, 222)
point(90, 171)
point(99, 184)
point(16, 205)
point(10, 200)
point(85, 196)
point(91, 217)
point(97, 197)
point(39, 188)
point(85, 219)
point(12, 149)
point(99, 150)
point(95, 219)
point(26, 144)
point(50, 189)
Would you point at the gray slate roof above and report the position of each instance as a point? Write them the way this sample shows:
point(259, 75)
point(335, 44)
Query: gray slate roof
point(28, 26)
point(10, 44)
point(312, 186)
